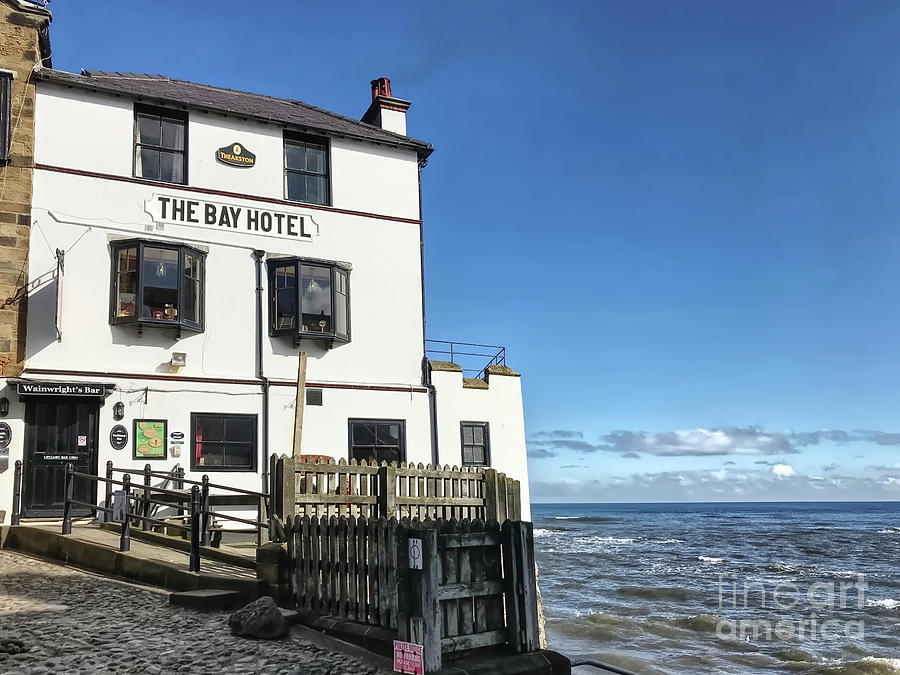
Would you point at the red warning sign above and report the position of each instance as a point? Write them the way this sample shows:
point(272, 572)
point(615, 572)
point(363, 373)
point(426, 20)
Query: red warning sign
point(408, 658)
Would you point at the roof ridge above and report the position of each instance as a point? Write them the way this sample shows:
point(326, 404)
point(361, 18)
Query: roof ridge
point(293, 101)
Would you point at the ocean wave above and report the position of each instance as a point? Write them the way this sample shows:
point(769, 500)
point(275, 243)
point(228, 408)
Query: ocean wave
point(541, 532)
point(889, 530)
point(585, 519)
point(700, 623)
point(605, 540)
point(668, 541)
point(886, 604)
point(655, 592)
point(868, 665)
point(707, 559)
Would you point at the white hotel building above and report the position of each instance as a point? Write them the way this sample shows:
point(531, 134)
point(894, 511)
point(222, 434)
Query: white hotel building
point(187, 242)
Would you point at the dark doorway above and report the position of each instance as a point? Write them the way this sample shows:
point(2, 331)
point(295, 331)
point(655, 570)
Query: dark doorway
point(58, 431)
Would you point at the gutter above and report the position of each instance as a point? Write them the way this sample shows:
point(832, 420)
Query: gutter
point(263, 380)
point(426, 366)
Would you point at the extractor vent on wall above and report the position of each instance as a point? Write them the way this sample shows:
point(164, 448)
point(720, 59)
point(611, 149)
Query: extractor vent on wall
point(313, 397)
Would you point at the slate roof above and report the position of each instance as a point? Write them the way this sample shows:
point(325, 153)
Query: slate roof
point(160, 89)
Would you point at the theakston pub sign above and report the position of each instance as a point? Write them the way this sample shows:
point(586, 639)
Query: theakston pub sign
point(169, 209)
point(236, 155)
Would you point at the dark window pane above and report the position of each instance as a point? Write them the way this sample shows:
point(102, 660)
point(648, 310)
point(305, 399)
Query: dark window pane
point(192, 277)
point(388, 434)
point(172, 134)
point(210, 455)
point(171, 167)
point(467, 454)
point(388, 455)
point(296, 186)
point(209, 428)
point(363, 433)
point(240, 429)
point(147, 163)
point(285, 281)
point(294, 155)
point(239, 455)
point(315, 300)
point(315, 159)
point(148, 130)
point(468, 434)
point(315, 189)
point(126, 282)
point(160, 280)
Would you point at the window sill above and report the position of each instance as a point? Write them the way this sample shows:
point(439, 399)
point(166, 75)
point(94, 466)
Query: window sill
point(158, 181)
point(179, 326)
point(298, 201)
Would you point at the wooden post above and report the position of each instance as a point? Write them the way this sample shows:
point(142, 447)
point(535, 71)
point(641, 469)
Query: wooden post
point(301, 402)
point(287, 491)
point(520, 586)
point(387, 491)
point(107, 502)
point(418, 608)
point(490, 496)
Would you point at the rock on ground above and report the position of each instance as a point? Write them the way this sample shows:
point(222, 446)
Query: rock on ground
point(84, 624)
point(260, 619)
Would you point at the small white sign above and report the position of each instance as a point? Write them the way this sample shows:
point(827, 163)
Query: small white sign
point(82, 441)
point(415, 554)
point(408, 658)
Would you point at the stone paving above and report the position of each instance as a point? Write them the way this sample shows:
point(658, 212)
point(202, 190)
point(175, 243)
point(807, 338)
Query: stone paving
point(75, 622)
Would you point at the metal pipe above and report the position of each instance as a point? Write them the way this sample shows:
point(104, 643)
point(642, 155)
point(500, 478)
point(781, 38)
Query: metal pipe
point(17, 494)
point(108, 497)
point(204, 514)
point(602, 666)
point(260, 373)
point(195, 529)
point(70, 493)
point(145, 510)
point(125, 537)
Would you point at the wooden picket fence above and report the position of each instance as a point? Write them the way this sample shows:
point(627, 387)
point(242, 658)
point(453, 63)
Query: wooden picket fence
point(385, 490)
point(475, 588)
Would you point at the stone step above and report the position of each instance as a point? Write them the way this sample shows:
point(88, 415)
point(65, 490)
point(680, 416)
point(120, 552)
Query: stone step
point(208, 599)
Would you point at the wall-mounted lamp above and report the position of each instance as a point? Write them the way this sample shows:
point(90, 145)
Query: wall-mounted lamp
point(118, 411)
point(179, 360)
point(4, 407)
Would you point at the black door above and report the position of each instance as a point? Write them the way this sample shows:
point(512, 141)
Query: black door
point(58, 431)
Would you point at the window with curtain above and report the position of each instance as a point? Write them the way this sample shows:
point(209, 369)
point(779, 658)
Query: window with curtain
point(160, 140)
point(223, 442)
point(378, 440)
point(475, 443)
point(309, 299)
point(157, 283)
point(306, 169)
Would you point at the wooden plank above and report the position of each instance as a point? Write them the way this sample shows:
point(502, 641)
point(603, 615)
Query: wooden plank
point(466, 604)
point(294, 557)
point(372, 570)
point(420, 493)
point(449, 577)
point(310, 580)
point(350, 542)
point(438, 501)
point(343, 555)
point(392, 573)
point(430, 608)
point(512, 579)
point(515, 500)
point(404, 582)
point(385, 582)
point(333, 499)
point(474, 641)
point(494, 616)
point(334, 531)
point(460, 539)
point(299, 405)
point(470, 589)
point(529, 587)
point(315, 527)
point(362, 600)
point(502, 508)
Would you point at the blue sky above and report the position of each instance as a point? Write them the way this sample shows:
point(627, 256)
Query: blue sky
point(680, 218)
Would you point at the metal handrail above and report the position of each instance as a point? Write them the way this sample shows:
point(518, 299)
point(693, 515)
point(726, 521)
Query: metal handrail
point(497, 353)
point(602, 666)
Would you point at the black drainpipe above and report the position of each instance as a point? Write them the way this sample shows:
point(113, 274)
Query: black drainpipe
point(264, 381)
point(426, 369)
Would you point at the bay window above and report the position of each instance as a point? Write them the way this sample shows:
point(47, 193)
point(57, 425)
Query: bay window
point(157, 283)
point(309, 299)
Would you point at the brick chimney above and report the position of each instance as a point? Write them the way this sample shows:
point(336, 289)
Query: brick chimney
point(24, 44)
point(385, 111)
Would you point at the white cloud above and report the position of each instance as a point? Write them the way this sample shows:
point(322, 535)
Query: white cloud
point(783, 470)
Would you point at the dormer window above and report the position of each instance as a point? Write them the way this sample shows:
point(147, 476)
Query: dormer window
point(309, 299)
point(157, 284)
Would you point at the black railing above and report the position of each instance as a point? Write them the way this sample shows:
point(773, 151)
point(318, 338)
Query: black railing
point(133, 503)
point(469, 355)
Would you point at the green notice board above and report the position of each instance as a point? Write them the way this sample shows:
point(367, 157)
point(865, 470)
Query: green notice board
point(149, 439)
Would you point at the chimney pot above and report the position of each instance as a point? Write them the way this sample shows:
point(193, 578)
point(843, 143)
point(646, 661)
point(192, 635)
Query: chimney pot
point(381, 87)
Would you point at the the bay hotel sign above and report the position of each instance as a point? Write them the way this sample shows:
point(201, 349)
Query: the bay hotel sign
point(174, 210)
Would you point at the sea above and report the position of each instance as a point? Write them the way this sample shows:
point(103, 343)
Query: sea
point(746, 588)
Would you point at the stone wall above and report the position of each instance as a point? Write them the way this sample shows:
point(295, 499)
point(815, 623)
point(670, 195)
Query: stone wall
point(20, 50)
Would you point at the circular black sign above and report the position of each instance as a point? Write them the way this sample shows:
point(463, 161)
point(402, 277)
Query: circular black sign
point(118, 437)
point(5, 434)
point(177, 435)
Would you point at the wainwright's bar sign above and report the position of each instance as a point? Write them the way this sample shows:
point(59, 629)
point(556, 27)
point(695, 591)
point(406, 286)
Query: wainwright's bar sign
point(59, 389)
point(167, 209)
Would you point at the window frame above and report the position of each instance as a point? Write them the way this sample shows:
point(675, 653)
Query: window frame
point(177, 115)
point(487, 443)
point(141, 322)
point(299, 137)
point(297, 332)
point(367, 420)
point(224, 469)
point(6, 95)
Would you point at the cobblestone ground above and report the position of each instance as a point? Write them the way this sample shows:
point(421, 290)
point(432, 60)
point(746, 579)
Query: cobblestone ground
point(81, 623)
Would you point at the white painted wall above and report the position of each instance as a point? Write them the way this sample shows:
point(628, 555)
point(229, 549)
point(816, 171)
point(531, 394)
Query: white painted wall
point(500, 405)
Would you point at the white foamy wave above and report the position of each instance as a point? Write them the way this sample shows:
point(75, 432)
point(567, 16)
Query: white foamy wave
point(843, 574)
point(616, 540)
point(888, 603)
point(892, 663)
point(566, 517)
point(707, 559)
point(669, 541)
point(541, 532)
point(890, 530)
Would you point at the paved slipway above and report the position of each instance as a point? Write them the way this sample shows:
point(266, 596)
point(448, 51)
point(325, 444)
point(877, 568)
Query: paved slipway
point(77, 622)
